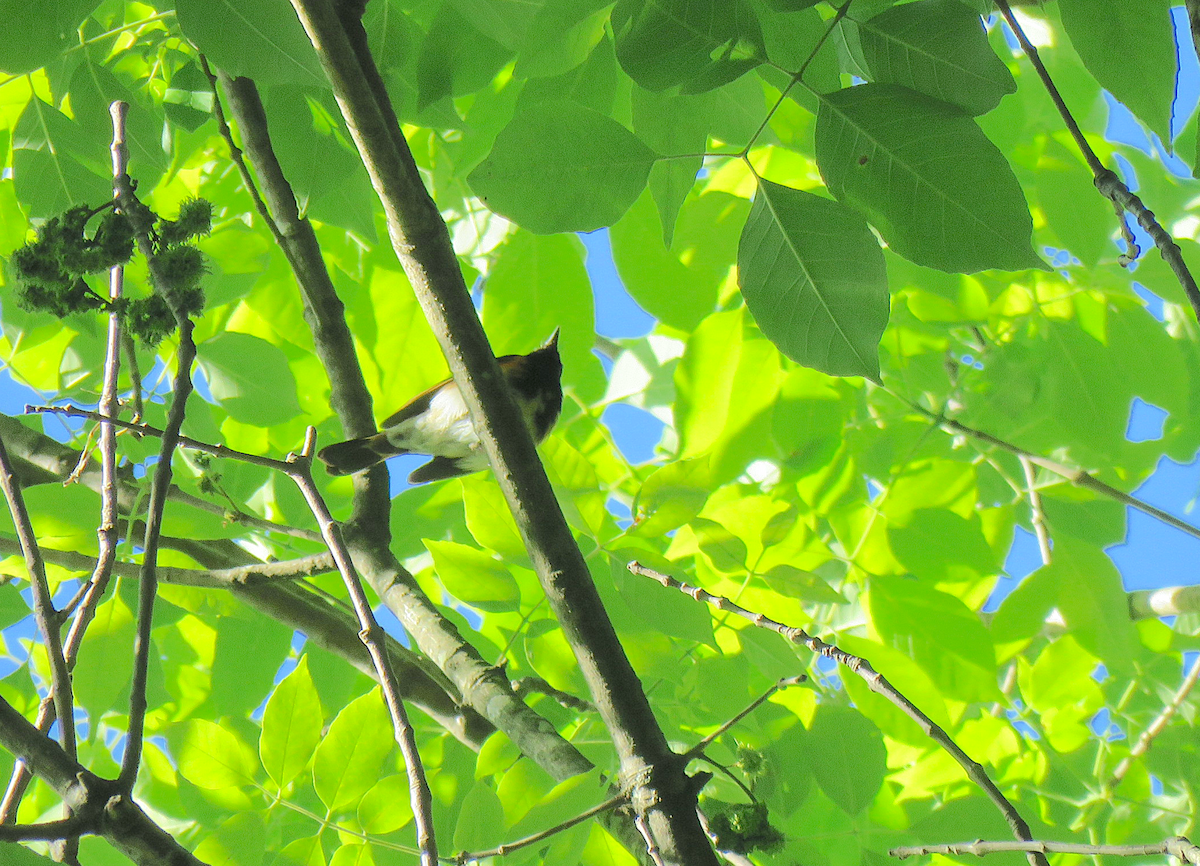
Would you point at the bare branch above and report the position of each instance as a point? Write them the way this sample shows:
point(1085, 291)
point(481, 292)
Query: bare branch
point(1076, 476)
point(1157, 726)
point(481, 685)
point(1106, 180)
point(43, 605)
point(874, 680)
point(96, 801)
point(661, 790)
point(509, 847)
point(372, 635)
point(236, 516)
point(784, 683)
point(140, 219)
point(1167, 601)
point(1179, 847)
point(1036, 517)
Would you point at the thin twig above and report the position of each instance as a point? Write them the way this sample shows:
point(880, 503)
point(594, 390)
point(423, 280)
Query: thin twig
point(255, 574)
point(1076, 476)
point(373, 636)
point(1036, 517)
point(1157, 726)
point(784, 683)
point(239, 159)
point(1106, 180)
point(49, 831)
point(509, 847)
point(142, 221)
point(147, 430)
point(252, 521)
point(135, 376)
point(796, 78)
point(874, 680)
point(526, 686)
point(1179, 847)
point(43, 604)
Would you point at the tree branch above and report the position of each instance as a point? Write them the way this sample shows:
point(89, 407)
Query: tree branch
point(1178, 847)
point(1107, 181)
point(662, 794)
point(141, 221)
point(481, 685)
point(300, 470)
point(1078, 477)
point(328, 627)
point(874, 680)
point(43, 605)
point(97, 801)
point(1157, 726)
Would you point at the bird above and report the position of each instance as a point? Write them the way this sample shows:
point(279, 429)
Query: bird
point(437, 422)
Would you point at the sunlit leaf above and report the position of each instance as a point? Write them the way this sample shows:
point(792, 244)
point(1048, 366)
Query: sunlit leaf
point(562, 167)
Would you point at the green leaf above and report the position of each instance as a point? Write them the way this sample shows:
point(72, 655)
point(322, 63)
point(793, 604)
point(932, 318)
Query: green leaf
point(660, 609)
point(481, 821)
point(489, 519)
point(247, 656)
point(847, 756)
point(700, 44)
point(724, 550)
point(291, 726)
point(262, 40)
point(105, 666)
point(348, 758)
point(48, 174)
point(474, 577)
point(939, 48)
point(1093, 603)
point(301, 852)
point(212, 756)
point(456, 57)
point(814, 278)
point(592, 83)
point(671, 496)
point(250, 378)
point(386, 807)
point(1130, 49)
point(352, 854)
point(937, 544)
point(940, 632)
point(679, 286)
point(673, 125)
point(239, 841)
point(560, 167)
point(13, 608)
point(560, 37)
point(93, 89)
point(326, 174)
point(41, 33)
point(925, 176)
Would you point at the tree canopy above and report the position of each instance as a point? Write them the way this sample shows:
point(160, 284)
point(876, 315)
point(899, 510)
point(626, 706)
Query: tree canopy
point(905, 297)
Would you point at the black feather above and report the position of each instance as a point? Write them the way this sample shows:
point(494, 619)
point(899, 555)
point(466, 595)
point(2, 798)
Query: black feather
point(355, 455)
point(439, 468)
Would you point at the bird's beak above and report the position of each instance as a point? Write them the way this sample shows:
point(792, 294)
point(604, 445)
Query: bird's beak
point(553, 341)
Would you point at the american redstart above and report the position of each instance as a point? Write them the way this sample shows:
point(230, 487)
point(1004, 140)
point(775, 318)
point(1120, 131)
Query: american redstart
point(437, 422)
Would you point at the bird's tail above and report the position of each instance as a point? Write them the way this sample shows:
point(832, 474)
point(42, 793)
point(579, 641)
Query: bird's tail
point(355, 455)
